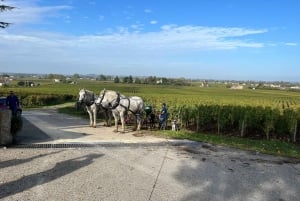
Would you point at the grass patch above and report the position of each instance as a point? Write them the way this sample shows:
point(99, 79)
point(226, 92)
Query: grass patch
point(273, 147)
point(72, 111)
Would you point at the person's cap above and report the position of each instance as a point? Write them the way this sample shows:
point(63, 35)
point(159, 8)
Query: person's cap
point(11, 92)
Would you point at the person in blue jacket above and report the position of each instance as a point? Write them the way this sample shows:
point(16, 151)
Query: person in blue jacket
point(12, 102)
point(163, 117)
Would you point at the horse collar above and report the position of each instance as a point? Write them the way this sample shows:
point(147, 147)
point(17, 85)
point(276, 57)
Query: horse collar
point(117, 103)
point(89, 102)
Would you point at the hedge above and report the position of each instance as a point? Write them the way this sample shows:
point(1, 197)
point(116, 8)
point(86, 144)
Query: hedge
point(43, 100)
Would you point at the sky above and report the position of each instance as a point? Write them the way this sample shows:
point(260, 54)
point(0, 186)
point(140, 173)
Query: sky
point(193, 39)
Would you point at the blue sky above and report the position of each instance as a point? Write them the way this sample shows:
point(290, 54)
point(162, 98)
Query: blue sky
point(205, 39)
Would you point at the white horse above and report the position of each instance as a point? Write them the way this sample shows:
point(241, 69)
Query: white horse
point(88, 98)
point(121, 105)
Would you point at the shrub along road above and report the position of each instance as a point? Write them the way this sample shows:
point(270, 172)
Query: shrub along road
point(134, 166)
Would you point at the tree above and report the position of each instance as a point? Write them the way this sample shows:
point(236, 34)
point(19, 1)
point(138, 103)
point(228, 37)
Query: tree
point(138, 81)
point(101, 77)
point(5, 8)
point(21, 83)
point(117, 79)
point(125, 79)
point(76, 76)
point(130, 79)
point(150, 80)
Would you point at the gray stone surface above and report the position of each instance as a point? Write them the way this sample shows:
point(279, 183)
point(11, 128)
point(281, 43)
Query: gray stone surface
point(6, 137)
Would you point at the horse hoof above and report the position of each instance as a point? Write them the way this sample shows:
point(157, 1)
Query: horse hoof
point(94, 126)
point(115, 131)
point(122, 132)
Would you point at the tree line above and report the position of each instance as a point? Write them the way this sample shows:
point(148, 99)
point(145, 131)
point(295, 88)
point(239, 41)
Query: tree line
point(126, 79)
point(151, 80)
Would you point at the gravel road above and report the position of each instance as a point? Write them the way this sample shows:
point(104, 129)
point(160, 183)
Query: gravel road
point(126, 167)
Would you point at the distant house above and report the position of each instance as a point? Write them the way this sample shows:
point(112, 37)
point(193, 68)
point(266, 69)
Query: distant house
point(275, 85)
point(159, 81)
point(56, 80)
point(237, 87)
point(4, 81)
point(295, 87)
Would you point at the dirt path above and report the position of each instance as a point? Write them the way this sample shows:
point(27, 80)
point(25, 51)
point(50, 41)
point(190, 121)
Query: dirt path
point(63, 128)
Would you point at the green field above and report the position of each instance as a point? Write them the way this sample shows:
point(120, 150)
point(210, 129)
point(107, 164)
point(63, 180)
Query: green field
point(172, 95)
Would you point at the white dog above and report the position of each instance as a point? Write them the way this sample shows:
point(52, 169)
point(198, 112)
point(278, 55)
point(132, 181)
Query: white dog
point(175, 126)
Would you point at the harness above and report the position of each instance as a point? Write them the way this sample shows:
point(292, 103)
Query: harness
point(89, 102)
point(128, 107)
point(117, 103)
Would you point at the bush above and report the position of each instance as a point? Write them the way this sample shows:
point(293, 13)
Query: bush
point(43, 100)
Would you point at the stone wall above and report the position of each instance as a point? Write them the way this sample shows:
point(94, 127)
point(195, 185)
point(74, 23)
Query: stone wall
point(6, 137)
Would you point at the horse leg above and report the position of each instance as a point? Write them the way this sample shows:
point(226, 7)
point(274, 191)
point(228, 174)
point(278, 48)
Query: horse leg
point(122, 114)
point(91, 116)
point(135, 122)
point(116, 117)
point(107, 115)
point(138, 121)
point(95, 117)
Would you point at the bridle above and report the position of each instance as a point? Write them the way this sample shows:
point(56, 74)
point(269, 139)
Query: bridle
point(88, 102)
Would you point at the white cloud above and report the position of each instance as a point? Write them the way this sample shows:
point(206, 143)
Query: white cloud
point(291, 44)
point(153, 22)
point(29, 12)
point(170, 36)
point(148, 11)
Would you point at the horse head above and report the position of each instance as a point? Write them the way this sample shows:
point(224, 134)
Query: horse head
point(81, 96)
point(86, 96)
